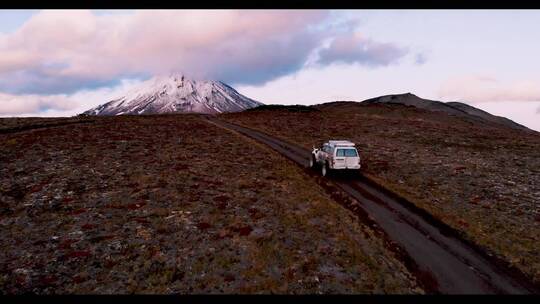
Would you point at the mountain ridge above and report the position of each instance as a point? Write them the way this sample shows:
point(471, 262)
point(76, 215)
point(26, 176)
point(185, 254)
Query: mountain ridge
point(452, 107)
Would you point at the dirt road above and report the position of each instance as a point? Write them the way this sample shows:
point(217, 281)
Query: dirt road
point(442, 260)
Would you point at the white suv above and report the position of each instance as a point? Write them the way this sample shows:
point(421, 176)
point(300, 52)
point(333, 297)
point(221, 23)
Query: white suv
point(335, 155)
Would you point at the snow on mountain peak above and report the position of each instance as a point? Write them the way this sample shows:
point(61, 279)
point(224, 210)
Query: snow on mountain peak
point(177, 93)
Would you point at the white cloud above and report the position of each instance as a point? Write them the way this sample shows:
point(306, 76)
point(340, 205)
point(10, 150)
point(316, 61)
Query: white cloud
point(480, 88)
point(57, 51)
point(91, 98)
point(69, 61)
point(65, 51)
point(16, 104)
point(355, 48)
point(61, 104)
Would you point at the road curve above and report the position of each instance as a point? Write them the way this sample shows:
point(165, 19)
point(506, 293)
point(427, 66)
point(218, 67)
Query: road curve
point(454, 265)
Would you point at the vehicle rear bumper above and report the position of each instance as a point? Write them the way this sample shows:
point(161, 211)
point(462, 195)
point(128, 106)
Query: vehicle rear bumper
point(347, 168)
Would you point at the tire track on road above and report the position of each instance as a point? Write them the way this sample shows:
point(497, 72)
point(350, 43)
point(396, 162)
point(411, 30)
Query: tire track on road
point(453, 264)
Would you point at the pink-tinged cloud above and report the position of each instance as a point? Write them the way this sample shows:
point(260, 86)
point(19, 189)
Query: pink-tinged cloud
point(355, 48)
point(21, 104)
point(486, 89)
point(241, 46)
point(64, 51)
point(61, 104)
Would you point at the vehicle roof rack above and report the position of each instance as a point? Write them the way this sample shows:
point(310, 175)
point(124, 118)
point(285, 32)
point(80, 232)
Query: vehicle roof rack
point(344, 143)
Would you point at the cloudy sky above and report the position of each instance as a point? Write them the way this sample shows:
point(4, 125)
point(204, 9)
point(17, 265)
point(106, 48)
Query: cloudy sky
point(58, 63)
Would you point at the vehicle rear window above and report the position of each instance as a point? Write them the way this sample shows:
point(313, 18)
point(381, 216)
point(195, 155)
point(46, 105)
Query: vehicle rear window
point(346, 152)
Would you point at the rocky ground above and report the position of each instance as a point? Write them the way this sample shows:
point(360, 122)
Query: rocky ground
point(173, 204)
point(483, 180)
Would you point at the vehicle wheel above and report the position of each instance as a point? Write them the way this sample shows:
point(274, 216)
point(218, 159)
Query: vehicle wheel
point(324, 170)
point(312, 162)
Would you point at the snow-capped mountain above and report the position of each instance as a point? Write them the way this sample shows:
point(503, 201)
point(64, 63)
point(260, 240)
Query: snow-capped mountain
point(176, 93)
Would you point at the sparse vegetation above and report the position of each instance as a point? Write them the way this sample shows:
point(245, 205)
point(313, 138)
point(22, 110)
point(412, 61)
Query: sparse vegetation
point(173, 204)
point(482, 180)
